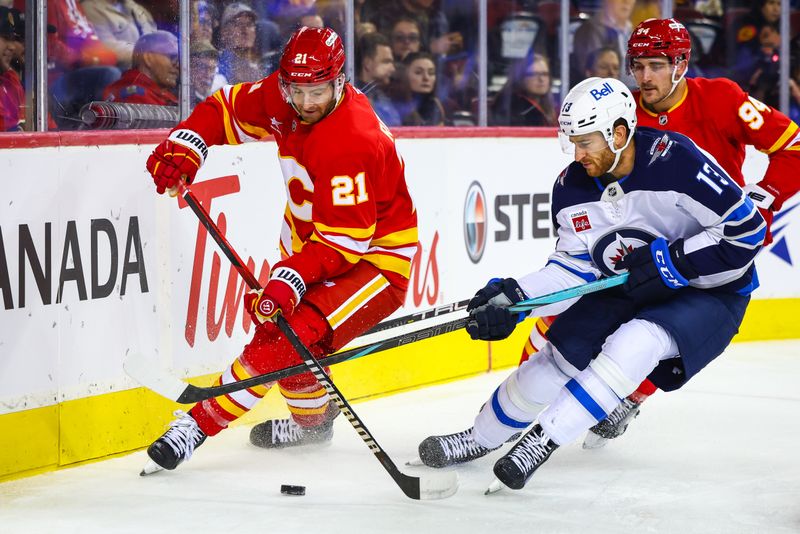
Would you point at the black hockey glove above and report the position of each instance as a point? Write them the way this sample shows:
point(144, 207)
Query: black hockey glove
point(492, 323)
point(656, 271)
point(502, 292)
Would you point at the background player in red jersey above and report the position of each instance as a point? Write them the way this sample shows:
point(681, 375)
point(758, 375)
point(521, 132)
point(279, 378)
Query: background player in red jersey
point(349, 221)
point(722, 119)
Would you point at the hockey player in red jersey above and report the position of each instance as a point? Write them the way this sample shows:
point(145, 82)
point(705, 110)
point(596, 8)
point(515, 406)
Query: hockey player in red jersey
point(349, 232)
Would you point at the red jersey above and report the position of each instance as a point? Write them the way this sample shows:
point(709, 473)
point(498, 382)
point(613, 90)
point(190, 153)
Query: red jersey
point(347, 198)
point(12, 102)
point(134, 87)
point(722, 119)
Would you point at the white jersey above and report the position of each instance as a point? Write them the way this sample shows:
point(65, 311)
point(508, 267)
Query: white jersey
point(675, 191)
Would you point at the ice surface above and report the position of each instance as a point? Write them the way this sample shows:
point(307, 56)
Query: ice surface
point(721, 455)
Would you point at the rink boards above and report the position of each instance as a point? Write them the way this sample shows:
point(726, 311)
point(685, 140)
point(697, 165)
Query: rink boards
point(94, 265)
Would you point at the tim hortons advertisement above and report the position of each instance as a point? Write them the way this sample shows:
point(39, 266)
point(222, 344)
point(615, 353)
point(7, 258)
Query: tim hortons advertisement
point(94, 264)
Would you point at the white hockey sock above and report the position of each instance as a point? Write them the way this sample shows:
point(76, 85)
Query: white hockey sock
point(582, 403)
point(514, 405)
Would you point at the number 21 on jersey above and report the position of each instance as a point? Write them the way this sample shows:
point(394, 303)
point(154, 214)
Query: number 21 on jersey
point(348, 190)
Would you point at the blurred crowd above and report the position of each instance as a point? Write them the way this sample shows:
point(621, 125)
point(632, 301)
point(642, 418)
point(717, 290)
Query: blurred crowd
point(416, 60)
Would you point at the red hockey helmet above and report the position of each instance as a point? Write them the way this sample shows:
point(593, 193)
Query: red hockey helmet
point(659, 37)
point(312, 55)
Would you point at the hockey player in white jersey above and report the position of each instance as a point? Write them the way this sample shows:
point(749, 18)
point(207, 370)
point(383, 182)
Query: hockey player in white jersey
point(646, 201)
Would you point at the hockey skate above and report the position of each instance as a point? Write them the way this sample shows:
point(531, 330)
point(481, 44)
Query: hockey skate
point(451, 449)
point(515, 468)
point(280, 433)
point(612, 426)
point(176, 444)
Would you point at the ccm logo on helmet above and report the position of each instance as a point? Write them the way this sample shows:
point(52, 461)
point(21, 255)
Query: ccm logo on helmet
point(604, 91)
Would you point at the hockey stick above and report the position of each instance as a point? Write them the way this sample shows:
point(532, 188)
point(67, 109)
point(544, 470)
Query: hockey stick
point(147, 372)
point(436, 486)
point(406, 320)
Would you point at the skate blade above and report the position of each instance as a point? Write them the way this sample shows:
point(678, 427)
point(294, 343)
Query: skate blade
point(149, 468)
point(593, 441)
point(494, 487)
point(415, 462)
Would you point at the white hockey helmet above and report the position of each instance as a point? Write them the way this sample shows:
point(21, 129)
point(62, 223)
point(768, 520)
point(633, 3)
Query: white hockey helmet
point(594, 105)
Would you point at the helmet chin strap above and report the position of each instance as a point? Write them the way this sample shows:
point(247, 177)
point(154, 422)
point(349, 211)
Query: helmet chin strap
point(674, 81)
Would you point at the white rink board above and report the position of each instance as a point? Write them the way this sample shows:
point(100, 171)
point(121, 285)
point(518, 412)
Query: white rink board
point(73, 347)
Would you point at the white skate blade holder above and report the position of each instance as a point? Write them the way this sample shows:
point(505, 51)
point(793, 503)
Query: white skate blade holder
point(415, 462)
point(494, 487)
point(149, 468)
point(593, 441)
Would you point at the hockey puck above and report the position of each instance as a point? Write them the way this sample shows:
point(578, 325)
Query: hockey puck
point(287, 489)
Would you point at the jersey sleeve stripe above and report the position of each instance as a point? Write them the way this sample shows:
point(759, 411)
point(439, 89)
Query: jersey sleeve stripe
point(230, 138)
point(350, 255)
point(389, 262)
point(588, 277)
point(741, 212)
point(790, 131)
point(353, 233)
point(400, 238)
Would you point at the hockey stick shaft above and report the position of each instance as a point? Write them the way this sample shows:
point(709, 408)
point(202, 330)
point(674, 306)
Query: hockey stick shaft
point(192, 394)
point(410, 486)
point(406, 320)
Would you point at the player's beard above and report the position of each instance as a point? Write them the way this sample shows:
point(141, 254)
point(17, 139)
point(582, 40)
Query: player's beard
point(599, 164)
point(317, 115)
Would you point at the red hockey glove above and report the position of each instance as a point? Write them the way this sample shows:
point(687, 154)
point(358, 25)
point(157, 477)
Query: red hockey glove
point(282, 293)
point(763, 200)
point(180, 155)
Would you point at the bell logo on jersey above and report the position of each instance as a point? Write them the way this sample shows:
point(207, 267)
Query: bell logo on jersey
point(580, 221)
point(605, 90)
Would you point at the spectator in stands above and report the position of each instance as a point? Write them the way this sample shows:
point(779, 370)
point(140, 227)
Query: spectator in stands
point(406, 38)
point(525, 99)
point(203, 14)
point(435, 33)
point(284, 15)
point(312, 20)
point(12, 95)
point(375, 67)
point(80, 65)
point(611, 26)
point(757, 42)
point(240, 60)
point(119, 24)
point(603, 63)
point(153, 78)
point(416, 99)
point(457, 86)
point(204, 60)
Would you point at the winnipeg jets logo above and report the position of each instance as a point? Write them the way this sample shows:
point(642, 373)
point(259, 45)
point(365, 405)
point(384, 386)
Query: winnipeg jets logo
point(611, 247)
point(660, 148)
